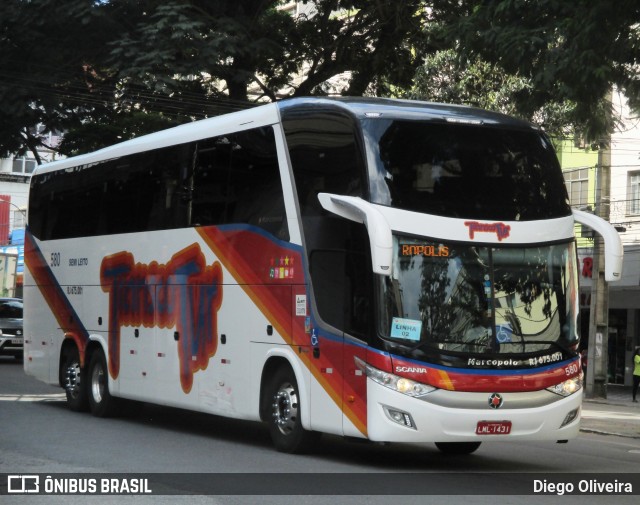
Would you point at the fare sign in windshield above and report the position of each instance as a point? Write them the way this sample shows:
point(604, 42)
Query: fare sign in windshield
point(428, 250)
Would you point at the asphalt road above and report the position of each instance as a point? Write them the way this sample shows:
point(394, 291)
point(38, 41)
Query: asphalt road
point(39, 435)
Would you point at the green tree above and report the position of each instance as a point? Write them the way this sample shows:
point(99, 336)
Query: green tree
point(256, 50)
point(445, 77)
point(105, 70)
point(569, 52)
point(120, 69)
point(47, 75)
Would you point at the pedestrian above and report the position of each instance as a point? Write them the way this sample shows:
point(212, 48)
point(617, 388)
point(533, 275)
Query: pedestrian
point(636, 373)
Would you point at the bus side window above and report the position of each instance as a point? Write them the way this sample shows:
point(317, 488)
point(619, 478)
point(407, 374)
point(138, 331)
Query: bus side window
point(208, 182)
point(236, 180)
point(140, 191)
point(229, 179)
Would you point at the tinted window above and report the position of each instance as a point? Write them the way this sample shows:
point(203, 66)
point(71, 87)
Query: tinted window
point(465, 171)
point(324, 153)
point(326, 157)
point(228, 179)
point(236, 179)
point(144, 191)
point(133, 193)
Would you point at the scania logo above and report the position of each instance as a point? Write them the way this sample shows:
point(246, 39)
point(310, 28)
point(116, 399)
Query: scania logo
point(410, 369)
point(495, 401)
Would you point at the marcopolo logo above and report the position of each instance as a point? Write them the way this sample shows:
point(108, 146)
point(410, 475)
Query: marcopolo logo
point(496, 401)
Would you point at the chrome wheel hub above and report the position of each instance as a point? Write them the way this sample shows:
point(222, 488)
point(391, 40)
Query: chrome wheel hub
point(97, 383)
point(285, 409)
point(72, 383)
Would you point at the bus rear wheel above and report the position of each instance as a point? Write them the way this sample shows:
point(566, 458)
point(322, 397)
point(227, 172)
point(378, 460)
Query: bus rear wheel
point(285, 424)
point(101, 403)
point(458, 447)
point(74, 381)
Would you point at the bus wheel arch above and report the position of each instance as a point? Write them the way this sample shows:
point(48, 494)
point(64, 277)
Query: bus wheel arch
point(281, 408)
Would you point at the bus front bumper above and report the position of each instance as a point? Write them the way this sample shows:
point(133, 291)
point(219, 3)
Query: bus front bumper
point(451, 416)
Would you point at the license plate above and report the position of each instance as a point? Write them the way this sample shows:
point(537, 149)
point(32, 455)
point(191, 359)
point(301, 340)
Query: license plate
point(16, 341)
point(493, 428)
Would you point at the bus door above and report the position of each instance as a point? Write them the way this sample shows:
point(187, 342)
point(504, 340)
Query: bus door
point(342, 286)
point(325, 153)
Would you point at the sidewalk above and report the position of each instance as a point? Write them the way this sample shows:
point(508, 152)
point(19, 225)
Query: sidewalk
point(615, 415)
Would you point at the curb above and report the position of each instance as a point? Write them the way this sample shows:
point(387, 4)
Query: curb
point(608, 433)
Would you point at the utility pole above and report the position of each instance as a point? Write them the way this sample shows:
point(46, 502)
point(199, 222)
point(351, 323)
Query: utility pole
point(598, 355)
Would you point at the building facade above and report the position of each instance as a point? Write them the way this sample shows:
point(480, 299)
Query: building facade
point(580, 164)
point(15, 176)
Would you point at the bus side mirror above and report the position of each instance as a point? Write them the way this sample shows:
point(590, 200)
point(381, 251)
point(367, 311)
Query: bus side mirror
point(613, 249)
point(360, 211)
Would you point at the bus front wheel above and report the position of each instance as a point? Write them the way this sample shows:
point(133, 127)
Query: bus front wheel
point(101, 403)
point(458, 447)
point(285, 424)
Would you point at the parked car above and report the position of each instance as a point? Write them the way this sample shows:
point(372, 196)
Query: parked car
point(11, 335)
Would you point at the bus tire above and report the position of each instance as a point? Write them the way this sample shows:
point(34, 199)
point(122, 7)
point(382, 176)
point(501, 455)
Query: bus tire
point(101, 403)
point(458, 447)
point(285, 424)
point(74, 380)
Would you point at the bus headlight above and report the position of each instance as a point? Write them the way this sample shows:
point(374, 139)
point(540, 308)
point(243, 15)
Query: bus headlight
point(568, 387)
point(400, 384)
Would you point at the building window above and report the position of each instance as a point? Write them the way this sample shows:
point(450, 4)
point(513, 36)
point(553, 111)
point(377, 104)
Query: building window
point(633, 199)
point(577, 183)
point(23, 165)
point(19, 218)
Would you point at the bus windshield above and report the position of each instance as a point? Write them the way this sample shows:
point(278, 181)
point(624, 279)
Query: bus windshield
point(447, 298)
point(464, 171)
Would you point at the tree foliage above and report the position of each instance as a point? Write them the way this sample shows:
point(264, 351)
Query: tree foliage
point(257, 50)
point(177, 60)
point(569, 52)
point(448, 78)
point(443, 77)
point(36, 76)
point(106, 70)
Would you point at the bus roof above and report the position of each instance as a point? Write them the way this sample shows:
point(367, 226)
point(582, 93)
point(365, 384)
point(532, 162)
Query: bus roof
point(405, 109)
point(189, 132)
point(270, 114)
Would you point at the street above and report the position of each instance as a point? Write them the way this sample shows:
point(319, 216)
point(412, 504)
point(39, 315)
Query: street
point(41, 436)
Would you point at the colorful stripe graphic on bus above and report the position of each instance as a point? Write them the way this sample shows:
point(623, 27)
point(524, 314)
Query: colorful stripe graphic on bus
point(477, 381)
point(185, 293)
point(276, 300)
point(67, 318)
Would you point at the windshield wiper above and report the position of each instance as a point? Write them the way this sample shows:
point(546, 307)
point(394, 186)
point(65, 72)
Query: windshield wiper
point(564, 349)
point(471, 343)
point(521, 343)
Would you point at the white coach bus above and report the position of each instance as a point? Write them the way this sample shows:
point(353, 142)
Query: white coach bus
point(389, 270)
